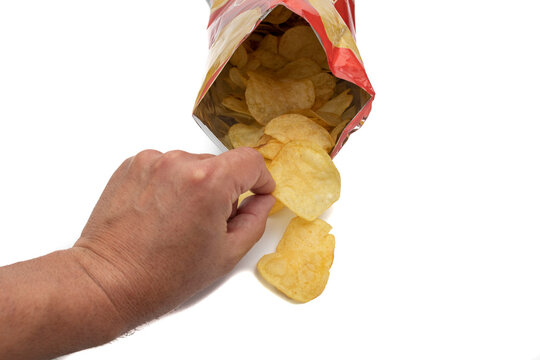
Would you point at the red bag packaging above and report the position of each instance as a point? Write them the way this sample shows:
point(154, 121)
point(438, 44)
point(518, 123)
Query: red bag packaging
point(235, 25)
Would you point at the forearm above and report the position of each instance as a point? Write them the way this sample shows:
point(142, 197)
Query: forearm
point(49, 306)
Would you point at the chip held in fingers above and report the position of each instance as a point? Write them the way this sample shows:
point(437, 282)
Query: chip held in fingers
point(278, 205)
point(307, 181)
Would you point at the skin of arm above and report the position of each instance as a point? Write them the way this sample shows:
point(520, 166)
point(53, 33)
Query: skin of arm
point(165, 227)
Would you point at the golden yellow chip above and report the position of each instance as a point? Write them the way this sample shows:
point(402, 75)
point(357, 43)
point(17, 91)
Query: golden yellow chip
point(225, 140)
point(338, 104)
point(279, 15)
point(301, 41)
point(252, 65)
point(300, 275)
point(329, 118)
point(290, 127)
point(270, 59)
point(238, 78)
point(270, 149)
point(235, 104)
point(278, 205)
point(269, 43)
point(300, 69)
point(305, 235)
point(325, 85)
point(245, 135)
point(313, 116)
point(265, 139)
point(253, 40)
point(349, 114)
point(240, 57)
point(339, 129)
point(307, 181)
point(267, 98)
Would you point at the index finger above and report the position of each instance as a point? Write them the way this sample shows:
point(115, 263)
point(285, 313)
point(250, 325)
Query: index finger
point(244, 169)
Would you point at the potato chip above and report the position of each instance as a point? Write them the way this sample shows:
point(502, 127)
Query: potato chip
point(306, 235)
point(299, 69)
point(270, 149)
point(313, 116)
point(349, 114)
point(225, 140)
point(240, 57)
point(338, 104)
point(300, 266)
point(279, 15)
point(339, 129)
point(301, 41)
point(264, 140)
point(235, 104)
point(253, 40)
point(307, 181)
point(269, 43)
point(290, 127)
point(267, 98)
point(278, 205)
point(238, 78)
point(324, 84)
point(244, 135)
point(329, 118)
point(300, 275)
point(269, 59)
point(252, 64)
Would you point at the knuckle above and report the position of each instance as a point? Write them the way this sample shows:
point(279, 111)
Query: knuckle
point(248, 154)
point(143, 159)
point(199, 173)
point(168, 161)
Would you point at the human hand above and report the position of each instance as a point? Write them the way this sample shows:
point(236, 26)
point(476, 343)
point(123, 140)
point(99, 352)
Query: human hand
point(166, 226)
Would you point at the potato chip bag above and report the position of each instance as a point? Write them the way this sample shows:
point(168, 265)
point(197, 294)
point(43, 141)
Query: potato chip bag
point(280, 60)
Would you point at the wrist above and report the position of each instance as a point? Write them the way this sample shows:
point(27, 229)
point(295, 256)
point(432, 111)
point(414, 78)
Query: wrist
point(52, 307)
point(111, 322)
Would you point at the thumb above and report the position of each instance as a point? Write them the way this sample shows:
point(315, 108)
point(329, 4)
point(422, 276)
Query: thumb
point(247, 227)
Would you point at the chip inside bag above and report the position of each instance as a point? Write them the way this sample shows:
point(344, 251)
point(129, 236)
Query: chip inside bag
point(286, 78)
point(270, 58)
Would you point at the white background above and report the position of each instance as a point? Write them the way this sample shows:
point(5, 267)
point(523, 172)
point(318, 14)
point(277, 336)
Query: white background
point(438, 227)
